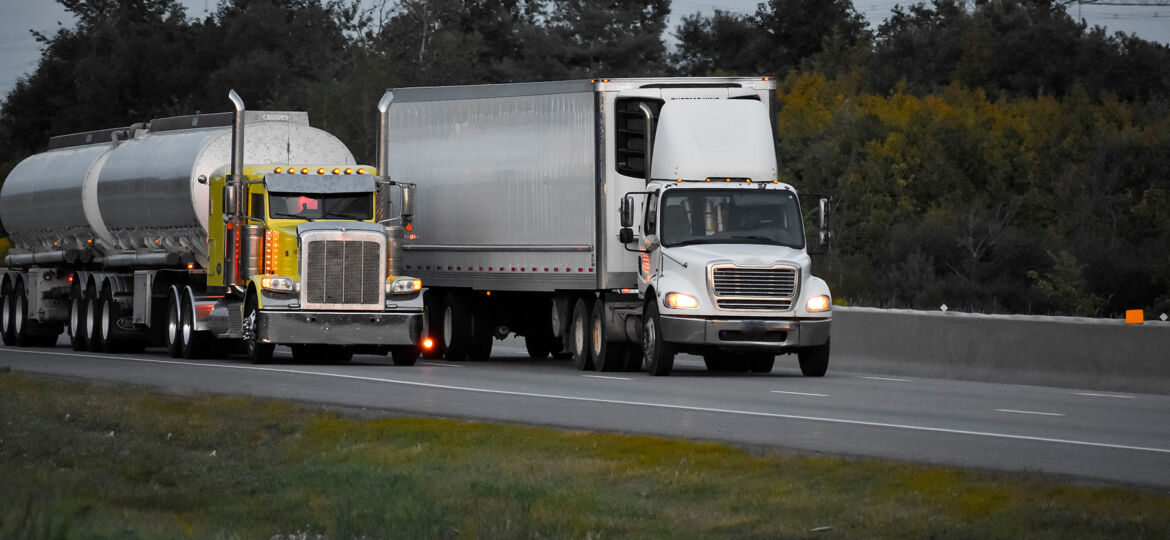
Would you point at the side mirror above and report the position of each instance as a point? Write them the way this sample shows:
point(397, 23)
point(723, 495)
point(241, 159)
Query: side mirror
point(229, 201)
point(407, 200)
point(651, 242)
point(625, 235)
point(825, 210)
point(627, 212)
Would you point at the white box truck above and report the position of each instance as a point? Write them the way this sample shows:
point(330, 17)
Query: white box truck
point(617, 221)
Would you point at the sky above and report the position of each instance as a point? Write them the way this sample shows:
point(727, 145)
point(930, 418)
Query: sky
point(19, 52)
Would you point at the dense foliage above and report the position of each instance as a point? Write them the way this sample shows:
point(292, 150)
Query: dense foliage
point(995, 156)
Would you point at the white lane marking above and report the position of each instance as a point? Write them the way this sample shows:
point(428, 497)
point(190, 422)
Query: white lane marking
point(438, 364)
point(1091, 394)
point(799, 393)
point(1029, 412)
point(610, 378)
point(928, 429)
point(886, 379)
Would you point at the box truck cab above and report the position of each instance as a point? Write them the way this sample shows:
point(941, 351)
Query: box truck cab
point(616, 221)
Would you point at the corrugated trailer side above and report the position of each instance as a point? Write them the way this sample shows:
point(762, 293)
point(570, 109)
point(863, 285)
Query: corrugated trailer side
point(507, 184)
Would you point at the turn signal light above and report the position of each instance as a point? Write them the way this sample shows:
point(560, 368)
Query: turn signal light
point(428, 343)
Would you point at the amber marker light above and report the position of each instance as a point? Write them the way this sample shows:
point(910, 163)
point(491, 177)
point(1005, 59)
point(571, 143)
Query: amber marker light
point(190, 266)
point(304, 170)
point(321, 170)
point(349, 170)
point(361, 171)
point(277, 170)
point(409, 227)
point(428, 343)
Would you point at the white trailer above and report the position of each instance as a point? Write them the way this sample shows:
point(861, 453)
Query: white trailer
point(617, 221)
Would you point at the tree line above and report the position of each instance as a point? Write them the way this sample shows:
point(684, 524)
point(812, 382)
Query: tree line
point(995, 156)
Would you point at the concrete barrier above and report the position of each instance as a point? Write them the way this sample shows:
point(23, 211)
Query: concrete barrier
point(1098, 354)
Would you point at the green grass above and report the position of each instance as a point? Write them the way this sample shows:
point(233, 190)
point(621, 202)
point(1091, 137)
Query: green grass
point(123, 462)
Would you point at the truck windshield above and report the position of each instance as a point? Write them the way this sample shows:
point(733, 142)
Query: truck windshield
point(731, 216)
point(321, 206)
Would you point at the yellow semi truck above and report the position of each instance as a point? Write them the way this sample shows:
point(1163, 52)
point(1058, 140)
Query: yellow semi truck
point(186, 233)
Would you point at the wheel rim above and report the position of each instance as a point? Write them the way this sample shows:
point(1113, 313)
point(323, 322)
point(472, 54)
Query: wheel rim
point(106, 322)
point(173, 323)
point(579, 334)
point(18, 314)
point(5, 303)
point(90, 317)
point(448, 325)
point(74, 316)
point(596, 338)
point(186, 325)
point(648, 339)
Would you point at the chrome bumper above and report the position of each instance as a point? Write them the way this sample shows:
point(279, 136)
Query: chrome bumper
point(774, 334)
point(340, 328)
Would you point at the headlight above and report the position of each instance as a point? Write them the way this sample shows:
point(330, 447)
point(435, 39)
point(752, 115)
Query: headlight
point(681, 301)
point(278, 284)
point(404, 286)
point(818, 303)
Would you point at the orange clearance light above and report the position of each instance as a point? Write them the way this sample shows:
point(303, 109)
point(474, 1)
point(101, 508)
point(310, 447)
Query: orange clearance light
point(428, 343)
point(321, 170)
point(54, 244)
point(304, 170)
point(70, 279)
point(89, 241)
point(277, 170)
point(775, 181)
point(349, 170)
point(336, 171)
point(749, 180)
point(727, 180)
point(409, 227)
point(767, 78)
point(678, 179)
point(190, 266)
point(361, 171)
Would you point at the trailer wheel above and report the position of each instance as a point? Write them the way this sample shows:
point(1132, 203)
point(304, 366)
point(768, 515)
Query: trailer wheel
point(659, 355)
point(579, 335)
point(77, 338)
point(171, 336)
point(258, 352)
point(404, 356)
point(483, 331)
point(457, 327)
point(93, 336)
point(814, 361)
point(607, 356)
point(6, 298)
point(106, 321)
point(19, 316)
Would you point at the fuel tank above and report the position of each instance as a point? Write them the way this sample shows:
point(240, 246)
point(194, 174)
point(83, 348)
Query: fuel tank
point(143, 190)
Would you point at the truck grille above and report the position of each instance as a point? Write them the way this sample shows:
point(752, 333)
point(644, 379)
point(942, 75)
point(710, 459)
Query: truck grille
point(343, 272)
point(754, 288)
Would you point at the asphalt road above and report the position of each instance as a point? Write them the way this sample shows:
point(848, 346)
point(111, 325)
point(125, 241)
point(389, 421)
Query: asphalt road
point(1083, 435)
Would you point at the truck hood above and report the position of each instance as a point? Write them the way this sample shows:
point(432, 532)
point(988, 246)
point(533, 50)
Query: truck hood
point(740, 254)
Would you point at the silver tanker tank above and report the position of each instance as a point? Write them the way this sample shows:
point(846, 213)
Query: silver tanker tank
point(120, 194)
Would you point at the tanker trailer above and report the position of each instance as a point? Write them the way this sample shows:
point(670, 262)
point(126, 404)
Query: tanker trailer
point(160, 234)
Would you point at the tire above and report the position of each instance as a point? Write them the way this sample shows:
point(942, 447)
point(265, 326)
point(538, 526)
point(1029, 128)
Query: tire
point(77, 337)
point(171, 338)
point(107, 317)
point(404, 356)
point(483, 331)
point(433, 300)
point(257, 351)
point(579, 334)
point(761, 362)
point(93, 335)
point(6, 305)
point(537, 345)
point(18, 317)
point(607, 356)
point(814, 361)
point(659, 355)
point(193, 344)
point(456, 328)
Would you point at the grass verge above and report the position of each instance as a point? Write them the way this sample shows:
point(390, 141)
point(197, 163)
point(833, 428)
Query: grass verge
point(97, 461)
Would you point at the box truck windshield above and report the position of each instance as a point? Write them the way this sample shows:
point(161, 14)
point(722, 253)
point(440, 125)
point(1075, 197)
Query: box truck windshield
point(731, 216)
